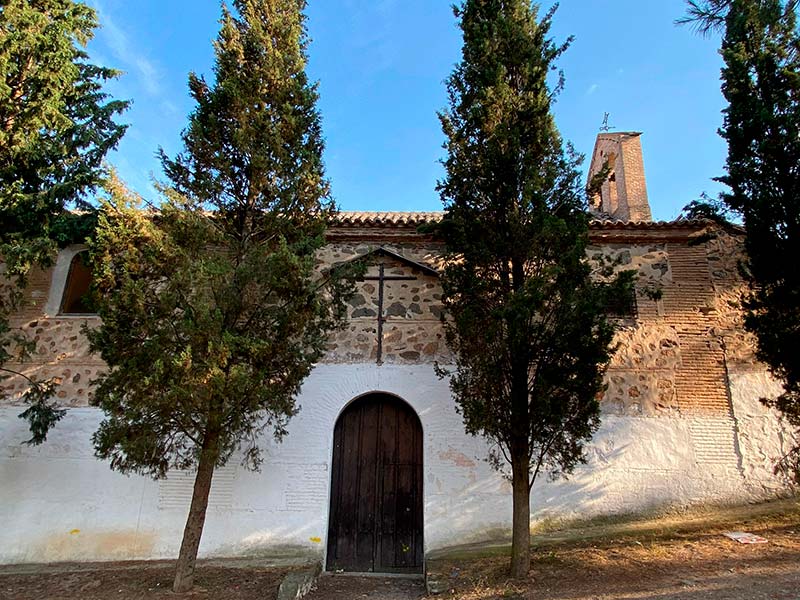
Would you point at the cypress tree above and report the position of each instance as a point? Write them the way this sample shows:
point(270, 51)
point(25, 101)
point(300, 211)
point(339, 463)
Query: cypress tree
point(761, 82)
point(56, 127)
point(213, 308)
point(527, 323)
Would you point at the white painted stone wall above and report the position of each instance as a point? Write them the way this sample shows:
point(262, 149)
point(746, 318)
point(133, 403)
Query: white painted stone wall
point(762, 436)
point(57, 502)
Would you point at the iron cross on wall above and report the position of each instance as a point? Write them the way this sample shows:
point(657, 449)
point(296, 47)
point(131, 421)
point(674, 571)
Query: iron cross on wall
point(381, 278)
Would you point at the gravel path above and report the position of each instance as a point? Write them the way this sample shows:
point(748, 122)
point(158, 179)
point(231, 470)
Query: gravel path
point(351, 587)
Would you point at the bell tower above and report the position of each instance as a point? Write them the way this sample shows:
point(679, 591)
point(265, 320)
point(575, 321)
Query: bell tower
point(623, 194)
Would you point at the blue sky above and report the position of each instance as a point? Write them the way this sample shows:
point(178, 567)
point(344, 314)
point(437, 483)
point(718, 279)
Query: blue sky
point(381, 65)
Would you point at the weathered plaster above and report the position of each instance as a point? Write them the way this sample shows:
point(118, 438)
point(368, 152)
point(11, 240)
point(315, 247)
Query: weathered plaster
point(681, 423)
point(59, 503)
point(763, 437)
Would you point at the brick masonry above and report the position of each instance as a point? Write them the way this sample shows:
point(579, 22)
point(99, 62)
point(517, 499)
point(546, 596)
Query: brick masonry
point(681, 419)
point(670, 360)
point(623, 195)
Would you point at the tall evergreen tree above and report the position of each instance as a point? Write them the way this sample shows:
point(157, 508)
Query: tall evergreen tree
point(214, 310)
point(528, 328)
point(761, 82)
point(56, 126)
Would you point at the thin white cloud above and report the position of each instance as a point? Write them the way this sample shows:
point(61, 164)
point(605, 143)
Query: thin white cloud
point(592, 89)
point(146, 72)
point(170, 108)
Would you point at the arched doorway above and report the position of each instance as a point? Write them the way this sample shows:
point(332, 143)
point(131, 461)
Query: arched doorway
point(376, 488)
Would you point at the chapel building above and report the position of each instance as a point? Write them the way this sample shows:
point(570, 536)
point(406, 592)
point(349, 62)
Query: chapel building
point(377, 472)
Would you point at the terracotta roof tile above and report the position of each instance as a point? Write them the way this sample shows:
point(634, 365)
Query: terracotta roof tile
point(355, 218)
point(396, 218)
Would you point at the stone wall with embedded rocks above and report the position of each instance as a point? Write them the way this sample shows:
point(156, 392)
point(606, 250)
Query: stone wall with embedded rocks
point(412, 331)
point(411, 298)
point(650, 261)
point(60, 352)
point(641, 376)
point(58, 349)
point(670, 357)
point(412, 306)
point(682, 423)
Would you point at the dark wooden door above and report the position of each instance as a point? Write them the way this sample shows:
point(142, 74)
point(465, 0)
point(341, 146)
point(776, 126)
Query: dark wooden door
point(376, 488)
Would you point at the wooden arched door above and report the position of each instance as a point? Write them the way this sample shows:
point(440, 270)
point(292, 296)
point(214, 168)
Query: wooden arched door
point(376, 488)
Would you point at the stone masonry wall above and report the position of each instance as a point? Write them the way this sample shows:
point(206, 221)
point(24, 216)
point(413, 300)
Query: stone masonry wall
point(671, 359)
point(682, 422)
point(412, 308)
point(61, 350)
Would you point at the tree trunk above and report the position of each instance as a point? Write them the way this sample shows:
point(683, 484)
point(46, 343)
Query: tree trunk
point(521, 528)
point(184, 572)
point(520, 444)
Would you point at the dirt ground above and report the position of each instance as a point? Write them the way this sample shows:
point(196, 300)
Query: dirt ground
point(140, 581)
point(672, 558)
point(697, 565)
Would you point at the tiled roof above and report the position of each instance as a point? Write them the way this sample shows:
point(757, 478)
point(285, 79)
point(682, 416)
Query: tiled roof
point(355, 218)
point(678, 224)
point(410, 219)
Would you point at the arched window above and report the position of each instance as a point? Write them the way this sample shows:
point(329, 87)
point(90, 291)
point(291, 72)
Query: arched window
point(76, 289)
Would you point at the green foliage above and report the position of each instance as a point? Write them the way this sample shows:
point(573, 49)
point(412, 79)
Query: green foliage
point(705, 15)
point(197, 336)
point(527, 322)
point(714, 211)
point(254, 140)
point(214, 309)
point(42, 413)
point(212, 321)
point(73, 227)
point(56, 126)
point(56, 123)
point(708, 209)
point(761, 82)
point(201, 333)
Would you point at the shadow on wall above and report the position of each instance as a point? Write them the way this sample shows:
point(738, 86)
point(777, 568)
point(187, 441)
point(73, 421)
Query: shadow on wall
point(634, 465)
point(482, 511)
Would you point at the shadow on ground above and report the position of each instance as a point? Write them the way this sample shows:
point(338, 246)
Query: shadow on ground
point(656, 560)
